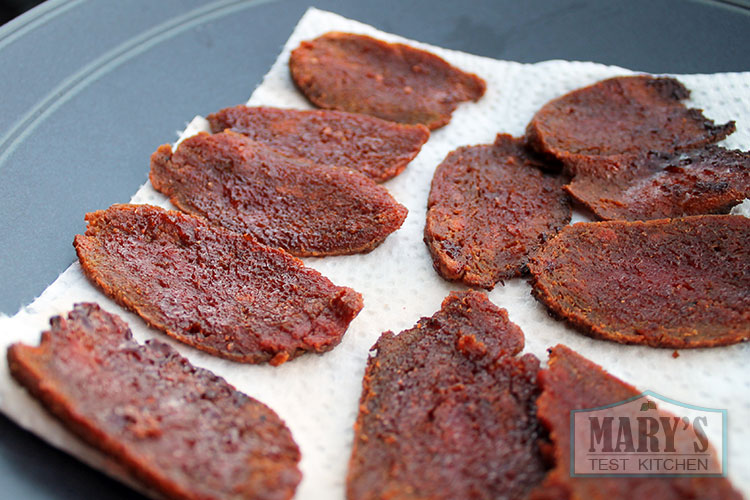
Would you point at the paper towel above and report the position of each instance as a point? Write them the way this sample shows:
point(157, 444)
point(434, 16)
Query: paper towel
point(317, 395)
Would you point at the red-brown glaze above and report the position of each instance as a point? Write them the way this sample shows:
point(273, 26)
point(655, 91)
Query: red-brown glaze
point(627, 114)
point(395, 82)
point(215, 290)
point(379, 149)
point(572, 382)
point(656, 185)
point(304, 208)
point(665, 283)
point(179, 429)
point(447, 410)
point(490, 208)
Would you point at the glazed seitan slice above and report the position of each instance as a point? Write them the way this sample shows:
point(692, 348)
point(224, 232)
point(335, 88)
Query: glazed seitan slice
point(179, 429)
point(652, 185)
point(672, 283)
point(218, 291)
point(378, 149)
point(621, 115)
point(289, 203)
point(393, 81)
point(490, 208)
point(447, 409)
point(572, 382)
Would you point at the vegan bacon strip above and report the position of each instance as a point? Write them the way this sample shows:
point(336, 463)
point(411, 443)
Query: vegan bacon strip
point(396, 82)
point(289, 203)
point(447, 409)
point(572, 382)
point(218, 291)
point(665, 283)
point(621, 115)
point(490, 208)
point(377, 148)
point(181, 430)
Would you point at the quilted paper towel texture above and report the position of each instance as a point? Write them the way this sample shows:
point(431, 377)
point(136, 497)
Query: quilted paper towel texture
point(318, 395)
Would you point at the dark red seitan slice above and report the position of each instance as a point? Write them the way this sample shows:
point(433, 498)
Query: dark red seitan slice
point(665, 283)
point(392, 81)
point(572, 382)
point(489, 209)
point(658, 185)
point(627, 114)
point(218, 291)
point(377, 148)
point(181, 430)
point(304, 208)
point(447, 410)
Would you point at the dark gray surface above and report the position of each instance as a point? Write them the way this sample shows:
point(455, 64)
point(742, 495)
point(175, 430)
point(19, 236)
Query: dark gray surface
point(91, 88)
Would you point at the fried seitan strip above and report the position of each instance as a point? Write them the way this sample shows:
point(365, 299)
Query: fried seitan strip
point(218, 291)
point(447, 410)
point(621, 115)
point(572, 382)
point(665, 283)
point(304, 208)
point(377, 148)
point(657, 185)
point(392, 81)
point(491, 207)
point(179, 429)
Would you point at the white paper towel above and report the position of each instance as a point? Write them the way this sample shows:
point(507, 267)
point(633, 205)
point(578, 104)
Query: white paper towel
point(318, 395)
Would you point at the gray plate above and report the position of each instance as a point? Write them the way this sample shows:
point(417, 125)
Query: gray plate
point(91, 88)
